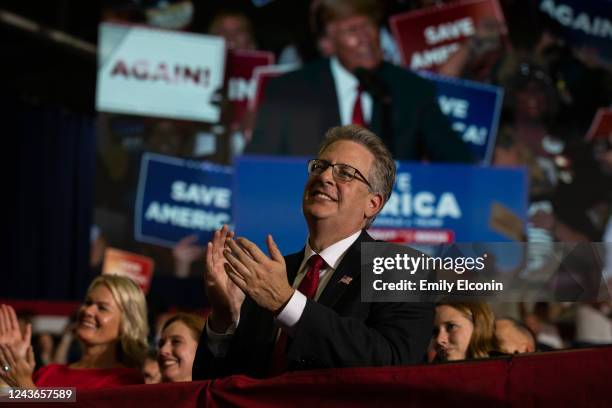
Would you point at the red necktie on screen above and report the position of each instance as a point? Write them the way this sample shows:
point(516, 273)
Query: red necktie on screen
point(308, 287)
point(358, 118)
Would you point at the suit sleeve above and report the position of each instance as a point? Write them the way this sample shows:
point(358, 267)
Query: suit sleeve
point(393, 334)
point(248, 350)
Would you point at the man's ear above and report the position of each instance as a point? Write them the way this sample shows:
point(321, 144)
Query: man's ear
point(375, 204)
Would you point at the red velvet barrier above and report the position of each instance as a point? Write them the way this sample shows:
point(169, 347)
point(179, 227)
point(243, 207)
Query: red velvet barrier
point(579, 378)
point(43, 307)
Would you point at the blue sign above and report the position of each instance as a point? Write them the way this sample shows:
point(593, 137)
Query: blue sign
point(178, 197)
point(268, 200)
point(473, 109)
point(475, 203)
point(586, 23)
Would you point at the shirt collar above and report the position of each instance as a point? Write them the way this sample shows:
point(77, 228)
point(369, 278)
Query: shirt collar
point(333, 254)
point(344, 79)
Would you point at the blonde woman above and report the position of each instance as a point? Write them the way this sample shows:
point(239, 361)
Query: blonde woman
point(463, 331)
point(111, 328)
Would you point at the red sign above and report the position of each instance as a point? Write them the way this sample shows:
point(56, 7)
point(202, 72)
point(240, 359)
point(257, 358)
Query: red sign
point(413, 236)
point(601, 126)
point(261, 76)
point(428, 37)
point(137, 267)
point(240, 80)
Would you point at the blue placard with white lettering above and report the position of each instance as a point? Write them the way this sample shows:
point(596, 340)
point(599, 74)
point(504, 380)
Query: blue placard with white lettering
point(268, 200)
point(473, 108)
point(585, 23)
point(178, 197)
point(475, 203)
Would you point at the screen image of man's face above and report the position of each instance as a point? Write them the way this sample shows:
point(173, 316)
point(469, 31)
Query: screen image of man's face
point(355, 41)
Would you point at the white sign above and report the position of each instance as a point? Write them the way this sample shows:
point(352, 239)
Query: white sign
point(159, 73)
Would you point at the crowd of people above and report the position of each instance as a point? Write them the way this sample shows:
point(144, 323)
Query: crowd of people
point(270, 314)
point(552, 91)
point(115, 348)
point(112, 332)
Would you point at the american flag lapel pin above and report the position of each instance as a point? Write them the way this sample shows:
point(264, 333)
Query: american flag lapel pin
point(345, 279)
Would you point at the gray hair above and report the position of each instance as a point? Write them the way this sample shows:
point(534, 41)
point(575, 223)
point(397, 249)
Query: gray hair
point(382, 173)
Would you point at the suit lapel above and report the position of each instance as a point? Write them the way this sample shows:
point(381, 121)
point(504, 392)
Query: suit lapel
point(350, 268)
point(292, 263)
point(375, 122)
point(327, 92)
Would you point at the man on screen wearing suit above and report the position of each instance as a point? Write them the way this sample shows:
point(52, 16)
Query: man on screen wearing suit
point(272, 313)
point(354, 86)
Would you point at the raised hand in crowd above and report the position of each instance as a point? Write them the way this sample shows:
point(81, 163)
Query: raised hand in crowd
point(10, 333)
point(17, 370)
point(486, 40)
point(63, 347)
point(224, 295)
point(185, 252)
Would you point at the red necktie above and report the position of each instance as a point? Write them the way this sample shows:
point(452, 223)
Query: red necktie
point(308, 286)
point(358, 118)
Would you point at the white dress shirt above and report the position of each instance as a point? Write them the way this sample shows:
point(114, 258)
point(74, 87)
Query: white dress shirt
point(332, 255)
point(346, 90)
point(288, 318)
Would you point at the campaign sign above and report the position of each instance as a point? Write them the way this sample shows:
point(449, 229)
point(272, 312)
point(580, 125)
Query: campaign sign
point(178, 197)
point(430, 203)
point(268, 200)
point(428, 37)
point(159, 73)
point(240, 81)
point(601, 128)
point(473, 109)
point(262, 76)
point(137, 267)
point(586, 23)
point(465, 203)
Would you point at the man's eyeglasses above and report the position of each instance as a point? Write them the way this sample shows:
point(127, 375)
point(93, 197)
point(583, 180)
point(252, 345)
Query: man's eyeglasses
point(340, 171)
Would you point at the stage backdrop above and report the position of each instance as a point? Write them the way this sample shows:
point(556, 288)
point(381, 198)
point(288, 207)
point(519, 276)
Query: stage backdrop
point(430, 203)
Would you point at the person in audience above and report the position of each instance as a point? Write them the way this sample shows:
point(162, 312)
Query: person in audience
point(271, 314)
point(45, 346)
point(150, 368)
point(463, 331)
point(541, 322)
point(236, 28)
point(513, 336)
point(476, 57)
point(112, 329)
point(593, 324)
point(178, 345)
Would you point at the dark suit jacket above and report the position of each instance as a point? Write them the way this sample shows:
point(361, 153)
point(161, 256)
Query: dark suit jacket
point(337, 331)
point(299, 107)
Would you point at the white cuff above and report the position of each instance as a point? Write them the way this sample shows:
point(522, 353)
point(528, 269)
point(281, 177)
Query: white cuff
point(288, 318)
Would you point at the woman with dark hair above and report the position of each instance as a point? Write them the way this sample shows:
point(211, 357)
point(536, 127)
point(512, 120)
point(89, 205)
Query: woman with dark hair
point(463, 331)
point(111, 328)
